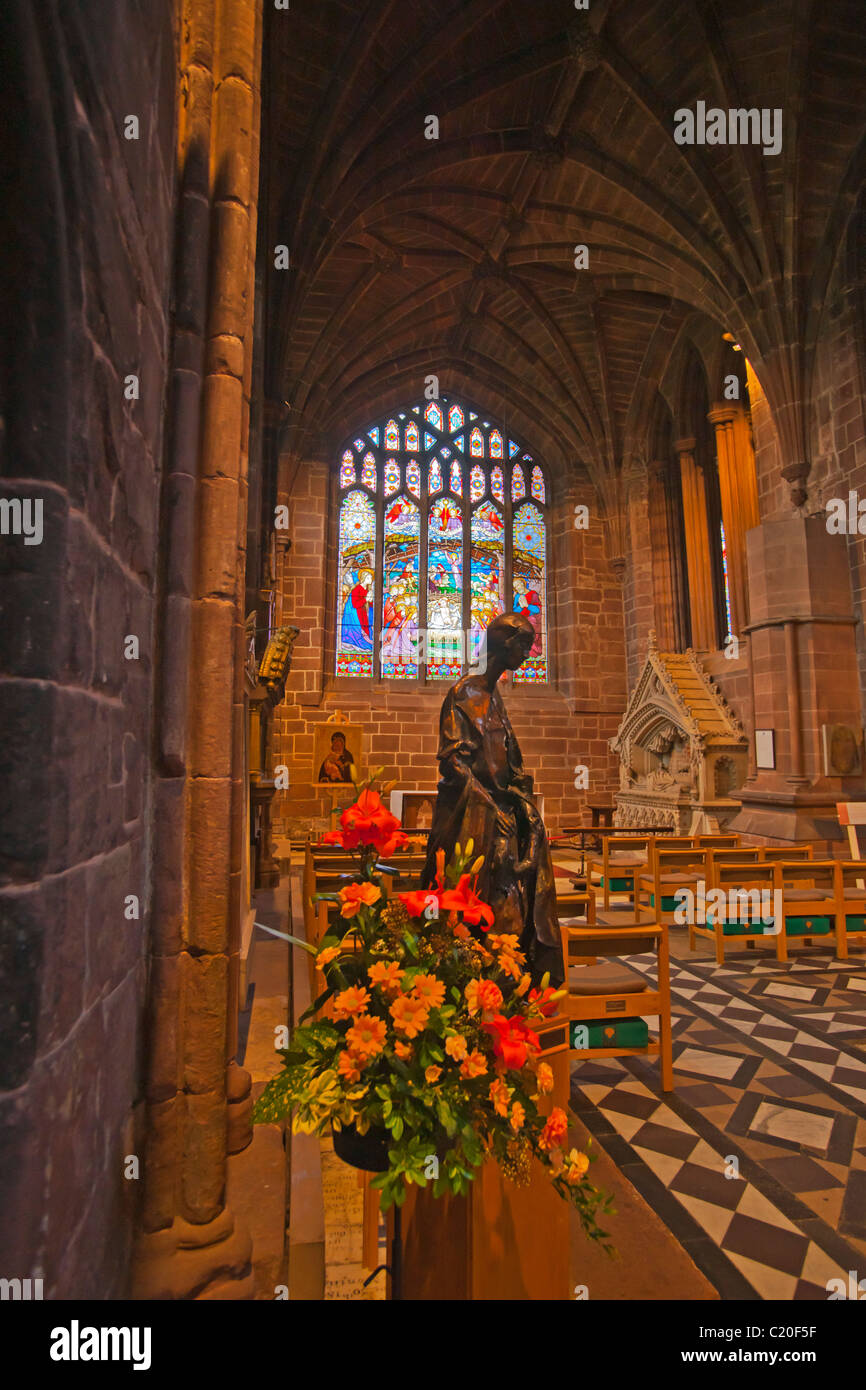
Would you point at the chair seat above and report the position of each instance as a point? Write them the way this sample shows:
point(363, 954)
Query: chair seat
point(624, 916)
point(809, 895)
point(855, 894)
point(606, 978)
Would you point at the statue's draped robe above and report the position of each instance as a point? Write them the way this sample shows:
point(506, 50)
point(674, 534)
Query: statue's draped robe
point(485, 795)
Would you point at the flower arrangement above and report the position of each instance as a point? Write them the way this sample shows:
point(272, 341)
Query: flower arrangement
point(425, 1032)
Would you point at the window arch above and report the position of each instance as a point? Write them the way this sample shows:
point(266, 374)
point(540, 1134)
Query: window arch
point(442, 525)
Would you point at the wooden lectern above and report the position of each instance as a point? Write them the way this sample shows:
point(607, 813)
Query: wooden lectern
point(502, 1241)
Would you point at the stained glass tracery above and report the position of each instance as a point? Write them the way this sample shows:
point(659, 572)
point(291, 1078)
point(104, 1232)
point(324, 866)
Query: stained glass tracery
point(402, 515)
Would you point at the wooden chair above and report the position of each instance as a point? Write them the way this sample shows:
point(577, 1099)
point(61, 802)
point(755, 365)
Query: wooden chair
point(743, 854)
point(810, 901)
point(774, 854)
point(671, 869)
point(717, 841)
point(850, 905)
point(599, 994)
point(743, 878)
point(620, 856)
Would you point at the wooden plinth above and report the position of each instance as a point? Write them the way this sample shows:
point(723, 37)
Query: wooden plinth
point(502, 1241)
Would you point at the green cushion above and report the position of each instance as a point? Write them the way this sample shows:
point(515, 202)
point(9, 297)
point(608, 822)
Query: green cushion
point(624, 1032)
point(855, 923)
point(619, 885)
point(808, 926)
point(743, 926)
point(668, 904)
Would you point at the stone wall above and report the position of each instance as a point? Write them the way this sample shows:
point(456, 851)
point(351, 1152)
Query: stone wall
point(559, 727)
point(87, 241)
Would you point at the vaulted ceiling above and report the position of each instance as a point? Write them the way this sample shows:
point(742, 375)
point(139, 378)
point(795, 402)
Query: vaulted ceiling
point(455, 255)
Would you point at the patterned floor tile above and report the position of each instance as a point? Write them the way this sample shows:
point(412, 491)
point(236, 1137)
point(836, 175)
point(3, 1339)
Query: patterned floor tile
point(770, 1087)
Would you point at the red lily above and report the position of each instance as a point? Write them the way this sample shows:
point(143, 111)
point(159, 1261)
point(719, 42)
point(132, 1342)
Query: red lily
point(464, 899)
point(514, 1040)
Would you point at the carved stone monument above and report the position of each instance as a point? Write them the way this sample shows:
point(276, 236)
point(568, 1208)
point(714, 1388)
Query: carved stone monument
point(682, 752)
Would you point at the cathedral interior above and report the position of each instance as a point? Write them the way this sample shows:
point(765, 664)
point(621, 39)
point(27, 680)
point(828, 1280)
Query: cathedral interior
point(334, 332)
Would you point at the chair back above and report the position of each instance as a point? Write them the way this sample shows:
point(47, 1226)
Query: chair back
point(718, 841)
point(805, 873)
point(772, 854)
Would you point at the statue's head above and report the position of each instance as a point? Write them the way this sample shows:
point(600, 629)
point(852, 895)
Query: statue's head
point(510, 636)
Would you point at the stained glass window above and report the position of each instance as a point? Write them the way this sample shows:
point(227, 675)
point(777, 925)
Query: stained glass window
point(400, 566)
point(445, 590)
point(402, 514)
point(347, 469)
point(726, 578)
point(392, 477)
point(368, 472)
point(357, 549)
point(487, 569)
point(529, 583)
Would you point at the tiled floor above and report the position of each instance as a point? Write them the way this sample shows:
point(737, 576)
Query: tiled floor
point(756, 1161)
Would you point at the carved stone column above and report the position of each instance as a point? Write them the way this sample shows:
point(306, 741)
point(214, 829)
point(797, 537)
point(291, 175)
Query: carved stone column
point(197, 1097)
point(805, 681)
point(739, 493)
point(697, 548)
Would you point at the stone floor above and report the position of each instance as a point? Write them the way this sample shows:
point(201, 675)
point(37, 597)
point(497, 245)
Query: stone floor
point(756, 1162)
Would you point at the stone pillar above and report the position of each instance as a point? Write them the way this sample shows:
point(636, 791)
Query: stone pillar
point(668, 590)
point(697, 548)
point(197, 1098)
point(738, 486)
point(804, 673)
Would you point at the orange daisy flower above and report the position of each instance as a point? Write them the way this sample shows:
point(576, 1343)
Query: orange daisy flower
point(351, 1002)
point(403, 1051)
point(474, 1065)
point(430, 990)
point(432, 1074)
point(456, 1047)
point(409, 1015)
point(386, 976)
point(348, 1067)
point(366, 1037)
point(325, 957)
point(500, 1094)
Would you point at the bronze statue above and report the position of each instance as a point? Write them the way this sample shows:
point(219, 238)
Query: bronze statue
point(485, 795)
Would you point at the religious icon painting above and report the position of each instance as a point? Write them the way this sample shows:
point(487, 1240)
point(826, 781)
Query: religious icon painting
point(337, 750)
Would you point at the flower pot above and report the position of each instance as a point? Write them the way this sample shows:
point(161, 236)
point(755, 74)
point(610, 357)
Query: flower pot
point(367, 1151)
